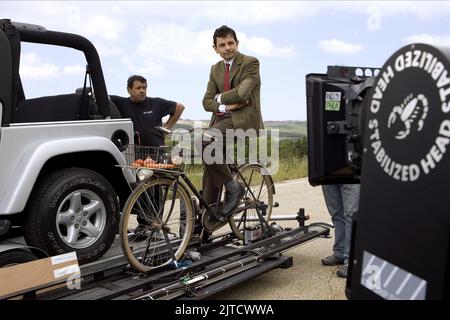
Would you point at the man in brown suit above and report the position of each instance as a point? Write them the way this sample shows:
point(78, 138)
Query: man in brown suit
point(233, 97)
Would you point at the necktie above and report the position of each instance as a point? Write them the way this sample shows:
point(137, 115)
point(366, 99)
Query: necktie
point(226, 82)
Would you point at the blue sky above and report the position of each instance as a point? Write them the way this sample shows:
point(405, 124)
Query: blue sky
point(170, 43)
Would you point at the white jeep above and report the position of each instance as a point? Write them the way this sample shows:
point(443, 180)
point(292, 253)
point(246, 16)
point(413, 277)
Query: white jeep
point(60, 187)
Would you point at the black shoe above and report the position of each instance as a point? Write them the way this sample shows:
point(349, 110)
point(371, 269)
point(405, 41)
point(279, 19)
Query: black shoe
point(332, 261)
point(232, 198)
point(342, 271)
point(214, 215)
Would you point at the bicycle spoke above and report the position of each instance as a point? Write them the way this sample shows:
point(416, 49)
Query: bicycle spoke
point(258, 189)
point(169, 224)
point(148, 246)
point(147, 202)
point(174, 197)
point(171, 253)
point(161, 204)
point(249, 183)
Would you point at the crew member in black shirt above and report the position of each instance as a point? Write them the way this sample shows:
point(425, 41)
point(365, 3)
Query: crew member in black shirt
point(146, 112)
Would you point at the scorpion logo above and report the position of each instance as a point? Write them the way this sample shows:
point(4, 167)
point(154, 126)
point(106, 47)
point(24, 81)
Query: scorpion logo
point(410, 112)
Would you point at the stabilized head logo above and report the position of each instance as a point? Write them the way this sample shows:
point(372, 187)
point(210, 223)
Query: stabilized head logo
point(412, 91)
point(410, 114)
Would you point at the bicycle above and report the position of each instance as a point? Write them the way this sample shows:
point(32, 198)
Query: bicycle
point(166, 199)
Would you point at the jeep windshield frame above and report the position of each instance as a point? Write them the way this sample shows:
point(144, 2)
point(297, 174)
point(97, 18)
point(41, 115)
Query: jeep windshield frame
point(38, 34)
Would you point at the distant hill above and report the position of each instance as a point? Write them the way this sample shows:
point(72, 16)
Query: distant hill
point(288, 129)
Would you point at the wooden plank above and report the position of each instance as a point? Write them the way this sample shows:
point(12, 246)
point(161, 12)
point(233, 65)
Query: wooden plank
point(37, 274)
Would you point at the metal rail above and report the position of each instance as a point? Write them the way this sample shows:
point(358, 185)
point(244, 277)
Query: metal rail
point(225, 262)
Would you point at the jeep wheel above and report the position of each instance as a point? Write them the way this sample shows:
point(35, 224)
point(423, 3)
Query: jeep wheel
point(73, 210)
point(14, 257)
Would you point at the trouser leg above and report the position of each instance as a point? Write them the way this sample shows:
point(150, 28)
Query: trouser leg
point(217, 172)
point(350, 199)
point(333, 200)
point(210, 190)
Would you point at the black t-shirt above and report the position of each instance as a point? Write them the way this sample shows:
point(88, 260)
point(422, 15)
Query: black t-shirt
point(146, 116)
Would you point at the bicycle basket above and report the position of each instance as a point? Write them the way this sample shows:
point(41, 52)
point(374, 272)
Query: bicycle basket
point(164, 157)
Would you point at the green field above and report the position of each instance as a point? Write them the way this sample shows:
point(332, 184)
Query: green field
point(287, 129)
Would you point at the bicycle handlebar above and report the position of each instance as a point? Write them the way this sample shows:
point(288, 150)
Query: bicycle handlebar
point(169, 131)
point(163, 129)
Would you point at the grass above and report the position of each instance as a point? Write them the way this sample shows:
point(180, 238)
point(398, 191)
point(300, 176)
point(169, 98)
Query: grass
point(290, 168)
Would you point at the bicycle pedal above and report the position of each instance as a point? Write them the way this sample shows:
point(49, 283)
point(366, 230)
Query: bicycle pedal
point(212, 225)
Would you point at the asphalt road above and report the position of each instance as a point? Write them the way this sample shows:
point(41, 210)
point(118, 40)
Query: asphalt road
point(307, 279)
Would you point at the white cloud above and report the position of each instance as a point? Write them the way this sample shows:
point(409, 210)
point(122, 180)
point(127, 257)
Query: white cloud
point(438, 40)
point(338, 46)
point(264, 47)
point(259, 12)
point(33, 68)
point(162, 43)
point(74, 70)
point(171, 42)
point(152, 66)
point(98, 25)
point(43, 71)
point(251, 12)
point(105, 49)
point(424, 10)
point(149, 66)
point(97, 19)
point(106, 13)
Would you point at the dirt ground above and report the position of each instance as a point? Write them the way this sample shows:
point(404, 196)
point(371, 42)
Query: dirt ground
point(307, 279)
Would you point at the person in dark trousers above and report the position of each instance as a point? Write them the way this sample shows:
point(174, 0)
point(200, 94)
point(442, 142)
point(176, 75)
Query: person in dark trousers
point(146, 113)
point(233, 97)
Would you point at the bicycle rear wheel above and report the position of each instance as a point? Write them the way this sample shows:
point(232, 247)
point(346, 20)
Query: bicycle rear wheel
point(260, 189)
point(156, 223)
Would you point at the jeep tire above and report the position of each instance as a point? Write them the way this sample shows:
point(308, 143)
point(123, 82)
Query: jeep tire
point(14, 257)
point(73, 209)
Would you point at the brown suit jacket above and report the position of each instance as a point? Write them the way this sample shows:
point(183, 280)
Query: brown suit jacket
point(245, 90)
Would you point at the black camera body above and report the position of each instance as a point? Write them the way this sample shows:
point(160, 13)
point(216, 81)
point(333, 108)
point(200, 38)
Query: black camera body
point(335, 110)
point(391, 133)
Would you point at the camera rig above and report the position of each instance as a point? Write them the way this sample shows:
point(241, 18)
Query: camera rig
point(390, 131)
point(335, 108)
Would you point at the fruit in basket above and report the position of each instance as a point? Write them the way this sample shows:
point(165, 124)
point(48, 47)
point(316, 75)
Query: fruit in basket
point(150, 163)
point(147, 162)
point(177, 160)
point(138, 163)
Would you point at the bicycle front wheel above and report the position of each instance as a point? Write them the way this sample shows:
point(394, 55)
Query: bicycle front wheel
point(259, 189)
point(156, 223)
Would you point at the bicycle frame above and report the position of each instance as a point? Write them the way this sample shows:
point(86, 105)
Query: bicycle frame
point(233, 167)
